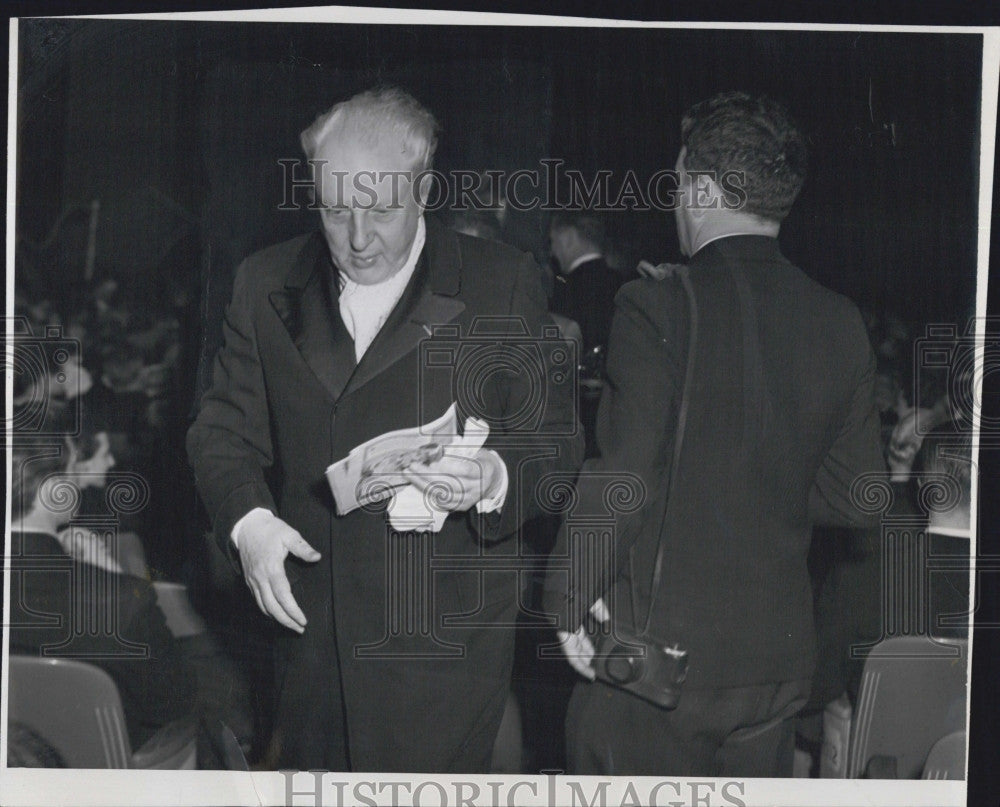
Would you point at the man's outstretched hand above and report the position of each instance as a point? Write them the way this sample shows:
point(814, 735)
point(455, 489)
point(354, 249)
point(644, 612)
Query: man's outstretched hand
point(264, 543)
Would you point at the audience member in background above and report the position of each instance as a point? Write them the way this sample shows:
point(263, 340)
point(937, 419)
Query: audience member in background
point(582, 303)
point(907, 435)
point(937, 486)
point(931, 472)
point(155, 689)
point(45, 476)
point(585, 286)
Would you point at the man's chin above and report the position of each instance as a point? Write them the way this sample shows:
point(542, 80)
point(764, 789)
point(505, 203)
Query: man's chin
point(368, 273)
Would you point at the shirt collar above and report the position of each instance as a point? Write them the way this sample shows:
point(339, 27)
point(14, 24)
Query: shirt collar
point(730, 235)
point(589, 256)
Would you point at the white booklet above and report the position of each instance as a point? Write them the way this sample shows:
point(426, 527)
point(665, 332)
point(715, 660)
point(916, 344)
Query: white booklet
point(373, 471)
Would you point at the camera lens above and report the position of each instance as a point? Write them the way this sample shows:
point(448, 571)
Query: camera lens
point(623, 668)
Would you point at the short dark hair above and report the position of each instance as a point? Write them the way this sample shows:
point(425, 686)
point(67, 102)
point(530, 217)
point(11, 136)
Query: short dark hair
point(734, 131)
point(589, 226)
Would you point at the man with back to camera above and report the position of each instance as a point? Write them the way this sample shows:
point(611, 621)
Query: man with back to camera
point(780, 421)
point(322, 352)
point(585, 287)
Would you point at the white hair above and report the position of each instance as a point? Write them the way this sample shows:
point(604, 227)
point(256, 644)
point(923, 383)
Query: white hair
point(373, 116)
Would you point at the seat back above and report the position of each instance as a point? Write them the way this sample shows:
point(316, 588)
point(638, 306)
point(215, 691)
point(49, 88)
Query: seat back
point(947, 758)
point(73, 706)
point(913, 691)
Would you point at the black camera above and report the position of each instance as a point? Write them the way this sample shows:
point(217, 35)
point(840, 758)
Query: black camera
point(640, 665)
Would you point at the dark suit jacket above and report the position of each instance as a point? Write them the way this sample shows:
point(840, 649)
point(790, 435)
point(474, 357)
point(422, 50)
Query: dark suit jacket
point(124, 631)
point(587, 296)
point(421, 642)
point(780, 422)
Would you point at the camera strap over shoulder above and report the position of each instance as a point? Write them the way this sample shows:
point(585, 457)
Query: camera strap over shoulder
point(682, 272)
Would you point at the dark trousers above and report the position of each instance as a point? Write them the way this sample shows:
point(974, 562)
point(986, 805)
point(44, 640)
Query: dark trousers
point(739, 732)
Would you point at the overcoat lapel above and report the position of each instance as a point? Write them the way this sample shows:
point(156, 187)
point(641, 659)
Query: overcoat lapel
point(430, 298)
point(307, 306)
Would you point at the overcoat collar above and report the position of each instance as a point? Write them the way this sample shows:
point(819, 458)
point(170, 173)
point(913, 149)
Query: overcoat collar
point(741, 248)
point(307, 305)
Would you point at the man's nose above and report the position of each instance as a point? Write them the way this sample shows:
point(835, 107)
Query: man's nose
point(360, 231)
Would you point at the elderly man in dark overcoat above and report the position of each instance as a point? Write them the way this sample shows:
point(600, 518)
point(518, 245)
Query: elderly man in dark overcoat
point(395, 640)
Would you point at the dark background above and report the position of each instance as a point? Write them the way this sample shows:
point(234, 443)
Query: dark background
point(177, 127)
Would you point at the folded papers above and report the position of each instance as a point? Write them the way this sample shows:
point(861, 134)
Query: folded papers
point(374, 471)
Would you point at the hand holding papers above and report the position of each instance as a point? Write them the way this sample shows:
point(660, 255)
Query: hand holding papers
point(429, 471)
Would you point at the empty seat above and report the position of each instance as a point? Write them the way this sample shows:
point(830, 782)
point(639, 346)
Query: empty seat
point(947, 758)
point(913, 692)
point(75, 708)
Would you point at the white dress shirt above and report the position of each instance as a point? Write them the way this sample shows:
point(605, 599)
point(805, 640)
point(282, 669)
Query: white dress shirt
point(364, 309)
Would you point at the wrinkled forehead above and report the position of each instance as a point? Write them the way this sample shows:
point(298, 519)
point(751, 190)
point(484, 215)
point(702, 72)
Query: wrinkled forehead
point(363, 168)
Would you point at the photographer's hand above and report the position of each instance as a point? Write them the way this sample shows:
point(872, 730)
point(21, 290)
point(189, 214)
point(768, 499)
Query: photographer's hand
point(577, 646)
point(264, 542)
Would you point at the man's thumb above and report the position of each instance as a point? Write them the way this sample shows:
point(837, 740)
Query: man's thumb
point(301, 549)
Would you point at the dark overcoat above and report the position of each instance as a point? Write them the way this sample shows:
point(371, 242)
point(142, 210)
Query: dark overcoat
point(781, 433)
point(409, 637)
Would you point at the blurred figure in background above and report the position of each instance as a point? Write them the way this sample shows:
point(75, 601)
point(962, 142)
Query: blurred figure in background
point(477, 223)
point(583, 301)
point(156, 688)
point(585, 286)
